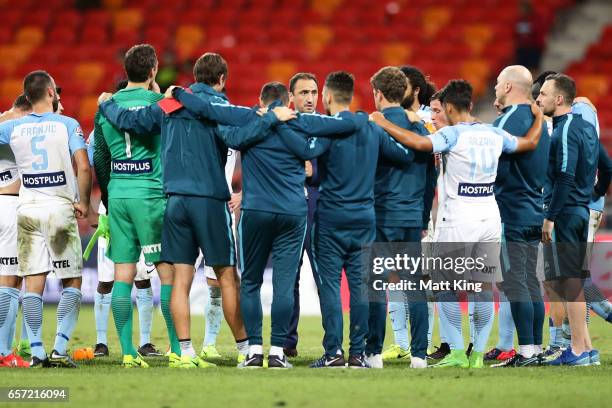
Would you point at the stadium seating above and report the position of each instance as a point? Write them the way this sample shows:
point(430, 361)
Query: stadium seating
point(262, 41)
point(594, 79)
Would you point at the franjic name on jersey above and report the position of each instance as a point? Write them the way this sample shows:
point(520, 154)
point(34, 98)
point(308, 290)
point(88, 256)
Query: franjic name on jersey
point(40, 129)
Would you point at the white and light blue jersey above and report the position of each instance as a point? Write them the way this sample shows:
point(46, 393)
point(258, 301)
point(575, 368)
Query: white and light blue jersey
point(43, 145)
point(590, 116)
point(470, 155)
point(424, 113)
point(8, 166)
point(91, 147)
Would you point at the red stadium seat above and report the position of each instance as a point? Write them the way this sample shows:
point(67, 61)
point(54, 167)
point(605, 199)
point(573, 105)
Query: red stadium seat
point(94, 35)
point(477, 36)
point(62, 35)
point(316, 37)
point(188, 38)
point(128, 19)
point(67, 18)
point(476, 71)
point(326, 7)
point(11, 87)
point(281, 71)
point(593, 86)
point(6, 35)
point(11, 17)
point(112, 4)
point(99, 18)
point(89, 71)
point(434, 18)
point(88, 107)
point(156, 35)
point(396, 53)
point(39, 18)
point(11, 56)
point(30, 36)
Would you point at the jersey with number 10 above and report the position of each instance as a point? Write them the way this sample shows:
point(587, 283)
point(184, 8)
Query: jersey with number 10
point(43, 145)
point(136, 170)
point(470, 157)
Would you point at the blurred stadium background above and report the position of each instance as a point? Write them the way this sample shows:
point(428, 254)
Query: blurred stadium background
point(82, 43)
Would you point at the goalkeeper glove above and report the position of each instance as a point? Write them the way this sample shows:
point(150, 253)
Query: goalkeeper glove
point(102, 231)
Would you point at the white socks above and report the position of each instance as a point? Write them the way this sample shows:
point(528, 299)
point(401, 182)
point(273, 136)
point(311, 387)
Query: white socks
point(187, 348)
point(527, 350)
point(255, 349)
point(243, 346)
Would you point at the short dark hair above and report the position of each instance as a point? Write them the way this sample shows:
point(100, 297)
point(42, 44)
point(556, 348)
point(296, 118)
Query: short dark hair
point(565, 85)
point(139, 61)
point(538, 82)
point(391, 81)
point(209, 68)
point(458, 92)
point(301, 76)
point(121, 85)
point(22, 103)
point(418, 80)
point(35, 85)
point(342, 84)
point(436, 96)
point(273, 91)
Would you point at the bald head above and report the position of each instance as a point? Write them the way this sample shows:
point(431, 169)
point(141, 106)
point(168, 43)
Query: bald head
point(513, 85)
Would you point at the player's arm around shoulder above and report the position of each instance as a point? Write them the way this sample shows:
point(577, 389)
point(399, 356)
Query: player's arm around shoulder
point(255, 131)
point(6, 128)
point(315, 124)
point(404, 136)
point(216, 109)
point(78, 150)
point(143, 121)
point(302, 146)
point(529, 142)
point(390, 148)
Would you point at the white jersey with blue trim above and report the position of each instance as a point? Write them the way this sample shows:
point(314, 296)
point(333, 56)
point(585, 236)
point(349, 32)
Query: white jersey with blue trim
point(43, 145)
point(424, 113)
point(470, 155)
point(8, 166)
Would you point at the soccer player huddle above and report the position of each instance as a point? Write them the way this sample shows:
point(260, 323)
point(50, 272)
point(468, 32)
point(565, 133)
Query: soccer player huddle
point(325, 184)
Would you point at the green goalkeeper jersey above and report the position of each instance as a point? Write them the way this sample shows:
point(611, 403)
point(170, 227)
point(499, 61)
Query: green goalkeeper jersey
point(135, 163)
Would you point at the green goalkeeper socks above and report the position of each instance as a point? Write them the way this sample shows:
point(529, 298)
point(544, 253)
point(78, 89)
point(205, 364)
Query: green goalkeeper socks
point(122, 314)
point(164, 299)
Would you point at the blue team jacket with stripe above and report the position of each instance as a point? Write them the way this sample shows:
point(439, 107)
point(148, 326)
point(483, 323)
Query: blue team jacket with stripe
point(574, 152)
point(521, 177)
point(399, 191)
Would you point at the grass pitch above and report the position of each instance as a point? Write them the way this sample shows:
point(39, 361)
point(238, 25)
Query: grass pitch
point(103, 383)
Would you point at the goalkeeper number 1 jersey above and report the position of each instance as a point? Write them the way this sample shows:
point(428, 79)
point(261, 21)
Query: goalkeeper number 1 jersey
point(136, 170)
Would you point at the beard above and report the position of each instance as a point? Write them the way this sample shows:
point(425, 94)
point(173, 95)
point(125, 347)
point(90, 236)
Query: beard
point(548, 111)
point(55, 103)
point(408, 101)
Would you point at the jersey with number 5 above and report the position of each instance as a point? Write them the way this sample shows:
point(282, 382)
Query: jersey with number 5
point(470, 155)
point(43, 145)
point(136, 170)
